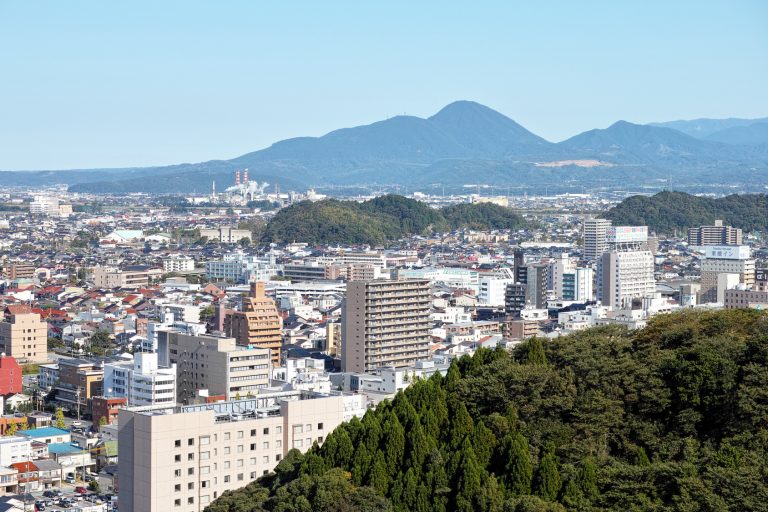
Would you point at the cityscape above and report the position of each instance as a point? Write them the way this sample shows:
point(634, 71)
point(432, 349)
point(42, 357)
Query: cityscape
point(428, 312)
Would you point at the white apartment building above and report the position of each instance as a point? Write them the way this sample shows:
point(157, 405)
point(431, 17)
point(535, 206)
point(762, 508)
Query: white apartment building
point(14, 449)
point(493, 290)
point(141, 381)
point(624, 276)
point(595, 243)
point(178, 264)
point(183, 458)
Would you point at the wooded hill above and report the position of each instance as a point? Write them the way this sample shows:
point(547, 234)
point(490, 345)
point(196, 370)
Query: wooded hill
point(666, 211)
point(379, 220)
point(673, 417)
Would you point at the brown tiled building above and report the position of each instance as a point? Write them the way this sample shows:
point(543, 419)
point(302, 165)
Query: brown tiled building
point(259, 324)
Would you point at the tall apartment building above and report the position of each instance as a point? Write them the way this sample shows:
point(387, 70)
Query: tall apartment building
point(183, 458)
point(625, 275)
point(595, 243)
point(575, 285)
point(23, 334)
point(218, 365)
point(537, 280)
point(385, 323)
point(521, 271)
point(259, 324)
point(514, 299)
point(719, 261)
point(715, 235)
point(140, 381)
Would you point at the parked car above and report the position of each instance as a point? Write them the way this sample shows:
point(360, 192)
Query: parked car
point(81, 490)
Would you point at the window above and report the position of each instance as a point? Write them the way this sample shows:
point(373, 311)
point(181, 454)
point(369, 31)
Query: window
point(176, 503)
point(278, 457)
point(320, 439)
point(239, 434)
point(239, 448)
point(190, 500)
point(190, 486)
point(253, 446)
point(239, 463)
point(253, 432)
point(266, 459)
point(266, 431)
point(205, 470)
point(266, 445)
point(177, 487)
point(177, 444)
point(253, 475)
point(190, 456)
point(226, 479)
point(319, 426)
point(278, 430)
point(205, 455)
point(204, 484)
point(177, 458)
point(227, 449)
point(177, 472)
point(308, 427)
point(240, 476)
point(190, 442)
point(191, 471)
point(205, 440)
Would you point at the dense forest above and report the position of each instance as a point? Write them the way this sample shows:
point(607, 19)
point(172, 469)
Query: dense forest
point(379, 220)
point(666, 212)
point(673, 417)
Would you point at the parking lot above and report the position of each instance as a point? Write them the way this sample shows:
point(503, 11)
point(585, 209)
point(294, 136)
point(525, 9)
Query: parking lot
point(69, 497)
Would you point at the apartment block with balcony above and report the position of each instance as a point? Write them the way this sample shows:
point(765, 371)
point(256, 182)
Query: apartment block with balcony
point(259, 324)
point(79, 381)
point(23, 335)
point(385, 323)
point(715, 235)
point(141, 381)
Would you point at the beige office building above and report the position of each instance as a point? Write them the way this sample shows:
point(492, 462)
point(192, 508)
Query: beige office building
point(625, 276)
point(129, 277)
point(595, 238)
point(385, 323)
point(712, 269)
point(182, 458)
point(23, 334)
point(215, 364)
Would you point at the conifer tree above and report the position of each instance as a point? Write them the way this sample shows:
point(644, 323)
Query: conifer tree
point(549, 481)
point(534, 353)
point(519, 469)
point(394, 444)
point(378, 478)
point(588, 479)
point(468, 479)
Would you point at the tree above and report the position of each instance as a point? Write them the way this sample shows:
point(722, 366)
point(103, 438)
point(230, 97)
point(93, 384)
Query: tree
point(59, 421)
point(588, 479)
point(534, 352)
point(99, 343)
point(548, 477)
point(94, 487)
point(518, 470)
point(468, 479)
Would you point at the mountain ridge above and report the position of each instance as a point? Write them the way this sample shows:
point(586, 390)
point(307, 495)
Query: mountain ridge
point(462, 142)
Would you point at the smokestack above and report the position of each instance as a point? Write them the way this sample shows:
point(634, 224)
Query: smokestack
point(237, 178)
point(245, 176)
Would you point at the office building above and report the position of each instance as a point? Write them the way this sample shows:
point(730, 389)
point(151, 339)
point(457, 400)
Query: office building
point(714, 235)
point(493, 290)
point(259, 324)
point(625, 275)
point(736, 298)
point(595, 243)
point(226, 235)
point(519, 266)
point(385, 323)
point(725, 259)
point(217, 365)
point(23, 335)
point(183, 458)
point(135, 276)
point(140, 381)
point(79, 381)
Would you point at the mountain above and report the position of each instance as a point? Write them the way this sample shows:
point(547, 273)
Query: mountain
point(667, 418)
point(629, 143)
point(463, 144)
point(702, 128)
point(755, 134)
point(667, 212)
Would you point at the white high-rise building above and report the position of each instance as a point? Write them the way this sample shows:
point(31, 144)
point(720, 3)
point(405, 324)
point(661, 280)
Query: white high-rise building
point(141, 381)
point(625, 275)
point(725, 259)
point(595, 243)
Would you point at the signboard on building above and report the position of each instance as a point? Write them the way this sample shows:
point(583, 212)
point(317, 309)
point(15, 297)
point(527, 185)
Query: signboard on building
point(727, 252)
point(626, 234)
point(761, 274)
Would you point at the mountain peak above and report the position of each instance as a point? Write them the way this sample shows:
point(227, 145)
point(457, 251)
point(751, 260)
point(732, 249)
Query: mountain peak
point(463, 108)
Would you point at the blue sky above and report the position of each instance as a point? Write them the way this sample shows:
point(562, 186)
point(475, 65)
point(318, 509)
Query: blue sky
point(111, 84)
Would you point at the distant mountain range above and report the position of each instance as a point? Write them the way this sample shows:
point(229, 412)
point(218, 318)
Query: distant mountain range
point(466, 144)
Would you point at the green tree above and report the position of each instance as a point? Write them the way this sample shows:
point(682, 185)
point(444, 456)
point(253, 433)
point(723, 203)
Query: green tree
point(468, 479)
point(549, 482)
point(519, 469)
point(534, 352)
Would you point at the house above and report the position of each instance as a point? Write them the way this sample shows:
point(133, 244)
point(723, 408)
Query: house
point(28, 476)
point(49, 473)
point(48, 435)
point(9, 479)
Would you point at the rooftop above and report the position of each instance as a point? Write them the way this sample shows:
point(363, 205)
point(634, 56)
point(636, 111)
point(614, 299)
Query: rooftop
point(64, 448)
point(44, 432)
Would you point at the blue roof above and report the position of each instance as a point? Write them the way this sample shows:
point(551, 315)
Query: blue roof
point(63, 448)
point(43, 432)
